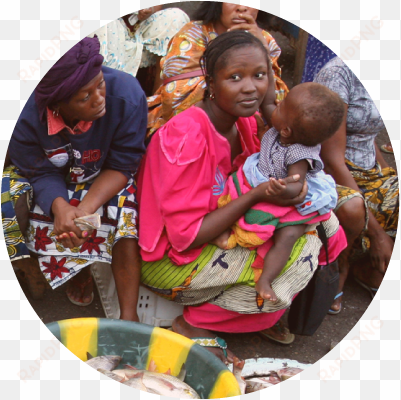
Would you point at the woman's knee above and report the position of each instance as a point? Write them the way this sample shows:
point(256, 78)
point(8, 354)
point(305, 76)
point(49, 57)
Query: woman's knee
point(352, 216)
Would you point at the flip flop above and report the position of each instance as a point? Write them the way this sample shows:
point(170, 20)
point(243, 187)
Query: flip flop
point(384, 148)
point(334, 312)
point(82, 286)
point(371, 290)
point(289, 338)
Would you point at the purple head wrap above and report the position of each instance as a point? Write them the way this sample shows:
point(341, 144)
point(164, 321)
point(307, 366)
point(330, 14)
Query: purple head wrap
point(72, 71)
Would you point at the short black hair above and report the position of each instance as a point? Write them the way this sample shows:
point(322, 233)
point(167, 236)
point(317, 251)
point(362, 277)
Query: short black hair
point(319, 115)
point(210, 11)
point(218, 50)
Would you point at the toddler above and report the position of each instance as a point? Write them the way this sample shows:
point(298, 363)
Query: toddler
point(310, 114)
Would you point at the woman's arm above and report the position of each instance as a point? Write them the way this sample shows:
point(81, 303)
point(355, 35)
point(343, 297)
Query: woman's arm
point(104, 187)
point(333, 155)
point(217, 221)
point(269, 102)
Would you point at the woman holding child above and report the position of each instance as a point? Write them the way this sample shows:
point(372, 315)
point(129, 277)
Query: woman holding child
point(183, 175)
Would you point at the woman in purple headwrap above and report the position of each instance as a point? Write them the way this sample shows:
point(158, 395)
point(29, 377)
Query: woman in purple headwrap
point(74, 151)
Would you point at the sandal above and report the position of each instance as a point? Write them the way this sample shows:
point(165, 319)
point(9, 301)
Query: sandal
point(82, 286)
point(334, 312)
point(371, 290)
point(212, 342)
point(276, 332)
point(385, 148)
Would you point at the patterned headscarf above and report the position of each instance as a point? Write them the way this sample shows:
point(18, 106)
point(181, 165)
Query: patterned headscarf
point(72, 71)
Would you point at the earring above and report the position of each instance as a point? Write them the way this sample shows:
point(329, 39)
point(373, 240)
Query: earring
point(55, 113)
point(211, 96)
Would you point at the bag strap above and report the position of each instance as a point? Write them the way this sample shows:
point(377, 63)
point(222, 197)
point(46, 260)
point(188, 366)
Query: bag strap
point(323, 237)
point(187, 75)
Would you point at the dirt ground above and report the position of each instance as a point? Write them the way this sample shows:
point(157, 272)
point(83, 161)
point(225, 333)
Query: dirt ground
point(55, 306)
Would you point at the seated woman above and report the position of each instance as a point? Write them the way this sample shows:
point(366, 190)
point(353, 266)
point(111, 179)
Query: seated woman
point(363, 177)
point(74, 151)
point(183, 174)
point(136, 43)
point(183, 81)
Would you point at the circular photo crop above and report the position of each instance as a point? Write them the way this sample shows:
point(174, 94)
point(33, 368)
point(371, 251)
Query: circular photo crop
point(200, 199)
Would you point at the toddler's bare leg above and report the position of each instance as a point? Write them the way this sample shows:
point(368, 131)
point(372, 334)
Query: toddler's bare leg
point(276, 258)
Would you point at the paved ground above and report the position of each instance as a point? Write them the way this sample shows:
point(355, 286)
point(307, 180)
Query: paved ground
point(55, 306)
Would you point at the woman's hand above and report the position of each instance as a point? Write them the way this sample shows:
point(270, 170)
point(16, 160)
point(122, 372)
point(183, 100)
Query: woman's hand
point(251, 26)
point(147, 12)
point(67, 233)
point(269, 102)
point(381, 248)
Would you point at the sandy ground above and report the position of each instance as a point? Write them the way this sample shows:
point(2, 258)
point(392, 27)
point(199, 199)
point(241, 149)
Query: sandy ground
point(55, 306)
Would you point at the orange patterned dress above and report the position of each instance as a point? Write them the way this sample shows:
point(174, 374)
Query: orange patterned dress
point(183, 56)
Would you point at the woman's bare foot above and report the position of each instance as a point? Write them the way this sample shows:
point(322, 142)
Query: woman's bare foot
point(183, 328)
point(80, 287)
point(336, 306)
point(387, 148)
point(363, 271)
point(264, 288)
point(222, 240)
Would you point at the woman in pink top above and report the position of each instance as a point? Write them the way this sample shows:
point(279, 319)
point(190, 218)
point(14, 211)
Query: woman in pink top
point(183, 175)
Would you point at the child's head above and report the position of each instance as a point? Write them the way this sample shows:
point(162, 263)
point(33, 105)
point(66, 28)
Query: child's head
point(310, 114)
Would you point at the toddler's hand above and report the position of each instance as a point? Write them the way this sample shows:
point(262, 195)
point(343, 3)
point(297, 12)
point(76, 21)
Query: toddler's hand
point(275, 187)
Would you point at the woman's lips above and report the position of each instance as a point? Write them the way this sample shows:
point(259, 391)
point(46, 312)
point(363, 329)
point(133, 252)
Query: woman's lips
point(249, 102)
point(239, 21)
point(101, 112)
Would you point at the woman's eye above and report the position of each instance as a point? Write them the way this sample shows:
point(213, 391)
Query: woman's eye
point(235, 77)
point(260, 75)
point(101, 83)
point(86, 98)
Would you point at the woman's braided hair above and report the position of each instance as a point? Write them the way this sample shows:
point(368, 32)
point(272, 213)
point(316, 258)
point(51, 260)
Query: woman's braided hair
point(217, 52)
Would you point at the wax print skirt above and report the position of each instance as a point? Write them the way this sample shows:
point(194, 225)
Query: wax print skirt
point(58, 264)
point(226, 278)
point(379, 188)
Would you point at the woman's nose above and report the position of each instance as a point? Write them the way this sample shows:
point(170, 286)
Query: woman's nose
point(242, 9)
point(99, 98)
point(248, 86)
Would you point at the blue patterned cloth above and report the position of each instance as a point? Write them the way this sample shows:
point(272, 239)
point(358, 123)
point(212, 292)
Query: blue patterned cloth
point(317, 55)
point(128, 51)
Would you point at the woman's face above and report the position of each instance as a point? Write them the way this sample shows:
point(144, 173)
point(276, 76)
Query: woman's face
point(240, 81)
point(230, 16)
point(88, 104)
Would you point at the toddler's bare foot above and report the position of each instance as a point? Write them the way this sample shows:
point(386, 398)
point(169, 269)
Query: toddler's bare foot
point(222, 240)
point(265, 290)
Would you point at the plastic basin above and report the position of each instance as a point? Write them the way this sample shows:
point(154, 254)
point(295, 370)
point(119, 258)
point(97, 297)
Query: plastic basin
point(138, 344)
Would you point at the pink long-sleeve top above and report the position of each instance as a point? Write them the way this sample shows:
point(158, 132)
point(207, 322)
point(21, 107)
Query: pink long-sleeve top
point(182, 176)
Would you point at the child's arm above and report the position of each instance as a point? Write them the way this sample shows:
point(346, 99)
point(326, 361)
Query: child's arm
point(290, 190)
